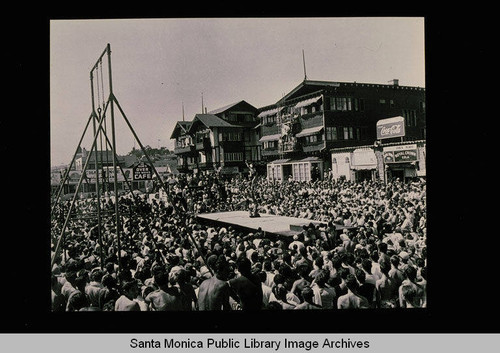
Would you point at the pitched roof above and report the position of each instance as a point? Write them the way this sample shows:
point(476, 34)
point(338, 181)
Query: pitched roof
point(229, 106)
point(210, 120)
point(180, 127)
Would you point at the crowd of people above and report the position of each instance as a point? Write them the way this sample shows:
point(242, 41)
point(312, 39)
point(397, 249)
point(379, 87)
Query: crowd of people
point(366, 248)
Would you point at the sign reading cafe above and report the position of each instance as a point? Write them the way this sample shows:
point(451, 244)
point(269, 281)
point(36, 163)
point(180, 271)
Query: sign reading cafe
point(391, 127)
point(143, 171)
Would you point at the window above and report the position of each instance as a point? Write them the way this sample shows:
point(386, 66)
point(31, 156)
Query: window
point(348, 133)
point(410, 116)
point(269, 119)
point(346, 104)
point(202, 157)
point(361, 105)
point(391, 102)
point(341, 103)
point(248, 155)
point(230, 136)
point(331, 133)
point(270, 144)
point(233, 156)
point(382, 101)
point(332, 103)
point(313, 139)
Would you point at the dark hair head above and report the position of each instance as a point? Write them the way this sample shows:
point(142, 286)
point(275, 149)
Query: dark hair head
point(366, 264)
point(382, 247)
point(160, 277)
point(351, 282)
point(129, 285)
point(385, 267)
point(96, 276)
point(395, 260)
point(307, 294)
point(360, 275)
point(322, 277)
point(244, 265)
point(280, 292)
point(411, 273)
point(262, 276)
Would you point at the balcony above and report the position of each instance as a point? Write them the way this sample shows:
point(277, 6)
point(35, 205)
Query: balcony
point(313, 147)
point(206, 165)
point(289, 147)
point(270, 152)
point(203, 145)
point(184, 149)
point(290, 118)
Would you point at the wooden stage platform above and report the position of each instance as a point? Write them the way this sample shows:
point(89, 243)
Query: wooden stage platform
point(280, 226)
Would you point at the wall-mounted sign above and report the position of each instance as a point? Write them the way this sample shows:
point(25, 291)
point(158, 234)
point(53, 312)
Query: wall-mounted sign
point(400, 154)
point(143, 171)
point(392, 127)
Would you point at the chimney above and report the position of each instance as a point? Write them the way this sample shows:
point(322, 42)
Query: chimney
point(395, 82)
point(205, 110)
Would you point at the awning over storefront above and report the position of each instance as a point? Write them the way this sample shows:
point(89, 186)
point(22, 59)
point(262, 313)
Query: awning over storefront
point(363, 167)
point(307, 102)
point(290, 161)
point(310, 159)
point(280, 161)
point(363, 159)
point(274, 137)
point(309, 131)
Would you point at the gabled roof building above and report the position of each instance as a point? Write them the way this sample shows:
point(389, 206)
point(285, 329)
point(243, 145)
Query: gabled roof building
point(224, 139)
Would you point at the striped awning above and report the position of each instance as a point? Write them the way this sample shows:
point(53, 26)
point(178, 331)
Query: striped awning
point(269, 112)
point(307, 102)
point(310, 131)
point(274, 137)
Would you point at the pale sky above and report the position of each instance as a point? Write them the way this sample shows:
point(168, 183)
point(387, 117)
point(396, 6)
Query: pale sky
point(158, 65)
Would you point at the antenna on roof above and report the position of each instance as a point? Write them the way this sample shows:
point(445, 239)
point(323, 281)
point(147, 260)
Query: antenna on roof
point(182, 111)
point(202, 103)
point(304, 62)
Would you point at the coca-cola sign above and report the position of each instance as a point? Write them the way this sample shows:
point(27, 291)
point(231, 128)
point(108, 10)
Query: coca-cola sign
point(392, 127)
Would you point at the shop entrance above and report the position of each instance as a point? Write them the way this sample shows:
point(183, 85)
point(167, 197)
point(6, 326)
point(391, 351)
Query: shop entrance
point(362, 175)
point(397, 173)
point(287, 171)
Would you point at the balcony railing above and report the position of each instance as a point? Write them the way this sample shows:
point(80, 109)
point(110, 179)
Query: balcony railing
point(205, 144)
point(184, 149)
point(289, 147)
point(206, 165)
point(270, 152)
point(315, 146)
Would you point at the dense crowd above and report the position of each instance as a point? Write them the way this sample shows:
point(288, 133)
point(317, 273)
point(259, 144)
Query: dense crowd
point(368, 251)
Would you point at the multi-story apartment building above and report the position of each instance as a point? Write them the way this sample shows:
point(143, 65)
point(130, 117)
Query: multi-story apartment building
point(224, 139)
point(299, 132)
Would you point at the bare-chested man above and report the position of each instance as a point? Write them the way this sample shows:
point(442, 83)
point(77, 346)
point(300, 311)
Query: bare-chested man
point(386, 288)
point(213, 293)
